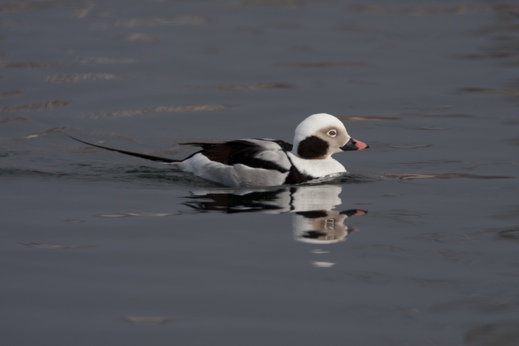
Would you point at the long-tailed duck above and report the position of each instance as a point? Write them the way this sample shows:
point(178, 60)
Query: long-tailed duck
point(268, 162)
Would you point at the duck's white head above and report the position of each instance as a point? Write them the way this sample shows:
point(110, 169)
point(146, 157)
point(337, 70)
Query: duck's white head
point(321, 135)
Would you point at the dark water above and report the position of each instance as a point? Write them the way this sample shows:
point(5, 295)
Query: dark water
point(418, 247)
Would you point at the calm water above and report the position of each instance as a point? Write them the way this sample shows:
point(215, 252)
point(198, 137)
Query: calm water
point(418, 247)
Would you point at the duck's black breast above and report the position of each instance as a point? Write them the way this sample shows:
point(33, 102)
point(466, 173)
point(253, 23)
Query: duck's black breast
point(296, 177)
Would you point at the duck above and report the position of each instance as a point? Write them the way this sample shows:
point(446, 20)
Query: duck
point(260, 162)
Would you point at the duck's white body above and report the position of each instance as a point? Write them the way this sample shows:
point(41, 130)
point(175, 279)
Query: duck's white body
point(268, 162)
point(241, 175)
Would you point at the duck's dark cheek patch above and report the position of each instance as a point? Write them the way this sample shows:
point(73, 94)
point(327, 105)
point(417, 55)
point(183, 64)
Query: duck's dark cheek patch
point(312, 148)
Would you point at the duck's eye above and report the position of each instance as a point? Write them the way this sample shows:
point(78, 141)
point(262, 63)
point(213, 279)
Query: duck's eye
point(332, 133)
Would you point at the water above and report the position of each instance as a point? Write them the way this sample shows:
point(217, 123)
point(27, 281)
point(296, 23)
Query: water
point(104, 249)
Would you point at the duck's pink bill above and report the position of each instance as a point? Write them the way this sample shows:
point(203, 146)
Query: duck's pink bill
point(360, 145)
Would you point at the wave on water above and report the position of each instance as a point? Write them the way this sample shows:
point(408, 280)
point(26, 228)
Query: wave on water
point(412, 176)
point(93, 172)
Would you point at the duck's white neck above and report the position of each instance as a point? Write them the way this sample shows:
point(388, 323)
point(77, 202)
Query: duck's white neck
point(316, 168)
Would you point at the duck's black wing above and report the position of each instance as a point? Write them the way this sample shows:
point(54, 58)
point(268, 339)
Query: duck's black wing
point(248, 152)
point(284, 145)
point(131, 153)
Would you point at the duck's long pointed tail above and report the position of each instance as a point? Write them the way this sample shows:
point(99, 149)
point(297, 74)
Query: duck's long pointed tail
point(131, 153)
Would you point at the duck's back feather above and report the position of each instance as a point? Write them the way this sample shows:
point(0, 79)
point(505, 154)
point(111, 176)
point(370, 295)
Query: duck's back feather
point(254, 153)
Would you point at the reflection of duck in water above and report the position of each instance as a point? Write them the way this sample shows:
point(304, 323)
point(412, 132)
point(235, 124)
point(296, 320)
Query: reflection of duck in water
point(323, 226)
point(268, 162)
point(314, 219)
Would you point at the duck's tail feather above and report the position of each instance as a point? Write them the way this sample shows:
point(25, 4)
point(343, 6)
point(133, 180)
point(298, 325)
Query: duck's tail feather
point(131, 153)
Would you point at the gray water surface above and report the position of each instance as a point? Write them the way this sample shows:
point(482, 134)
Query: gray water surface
point(419, 246)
